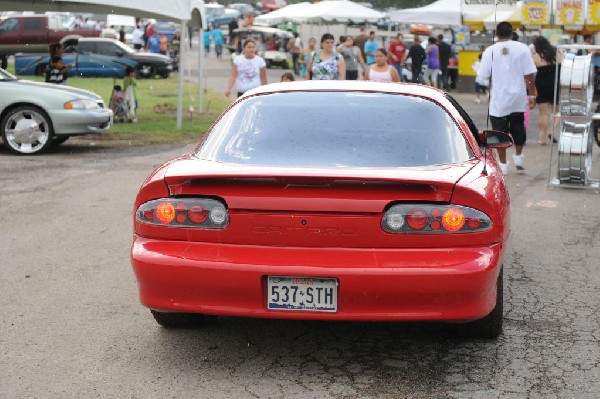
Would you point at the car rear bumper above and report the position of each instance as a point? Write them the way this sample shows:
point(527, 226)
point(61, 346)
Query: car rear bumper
point(374, 284)
point(74, 122)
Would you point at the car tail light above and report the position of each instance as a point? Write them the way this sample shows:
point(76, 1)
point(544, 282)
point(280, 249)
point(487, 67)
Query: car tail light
point(203, 213)
point(434, 219)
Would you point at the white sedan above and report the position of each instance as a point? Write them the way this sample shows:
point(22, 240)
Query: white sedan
point(35, 116)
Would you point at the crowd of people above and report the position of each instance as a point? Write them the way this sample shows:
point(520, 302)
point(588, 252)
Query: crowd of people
point(354, 58)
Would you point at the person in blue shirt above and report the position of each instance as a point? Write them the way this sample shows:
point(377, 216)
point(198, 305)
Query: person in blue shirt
point(371, 47)
point(153, 43)
point(206, 35)
point(218, 39)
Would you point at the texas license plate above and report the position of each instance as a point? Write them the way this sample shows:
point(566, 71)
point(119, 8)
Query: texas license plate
point(302, 293)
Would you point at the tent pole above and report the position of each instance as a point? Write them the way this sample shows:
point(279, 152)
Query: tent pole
point(183, 54)
point(201, 80)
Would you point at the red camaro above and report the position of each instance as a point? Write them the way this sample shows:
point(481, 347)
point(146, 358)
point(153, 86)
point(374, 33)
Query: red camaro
point(330, 200)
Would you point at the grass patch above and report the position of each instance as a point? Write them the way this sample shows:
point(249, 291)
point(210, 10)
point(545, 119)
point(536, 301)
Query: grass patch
point(157, 112)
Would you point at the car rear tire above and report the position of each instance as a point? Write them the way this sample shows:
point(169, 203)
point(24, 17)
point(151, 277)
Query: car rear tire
point(491, 325)
point(27, 130)
point(285, 65)
point(146, 71)
point(180, 320)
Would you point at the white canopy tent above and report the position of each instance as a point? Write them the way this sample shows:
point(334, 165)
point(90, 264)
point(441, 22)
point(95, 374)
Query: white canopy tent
point(183, 11)
point(336, 11)
point(282, 15)
point(441, 13)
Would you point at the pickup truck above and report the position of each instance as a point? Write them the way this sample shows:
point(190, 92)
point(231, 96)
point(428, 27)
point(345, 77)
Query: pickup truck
point(34, 34)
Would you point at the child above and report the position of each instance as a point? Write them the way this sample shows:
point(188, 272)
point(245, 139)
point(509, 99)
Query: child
point(130, 88)
point(480, 86)
point(287, 77)
point(58, 72)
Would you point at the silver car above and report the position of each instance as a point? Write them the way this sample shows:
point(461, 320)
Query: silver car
point(35, 116)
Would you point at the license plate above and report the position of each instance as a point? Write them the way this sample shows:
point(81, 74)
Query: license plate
point(302, 293)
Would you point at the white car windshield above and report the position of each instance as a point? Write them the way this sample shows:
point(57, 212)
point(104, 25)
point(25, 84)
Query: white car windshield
point(336, 128)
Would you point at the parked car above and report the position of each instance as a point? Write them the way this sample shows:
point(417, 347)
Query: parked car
point(398, 211)
point(100, 57)
point(149, 64)
point(34, 33)
point(34, 116)
point(275, 56)
point(216, 15)
point(85, 65)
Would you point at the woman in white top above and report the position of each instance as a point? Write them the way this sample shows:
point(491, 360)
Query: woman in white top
point(381, 71)
point(248, 70)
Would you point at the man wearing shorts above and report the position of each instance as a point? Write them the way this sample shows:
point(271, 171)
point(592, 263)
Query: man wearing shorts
point(510, 67)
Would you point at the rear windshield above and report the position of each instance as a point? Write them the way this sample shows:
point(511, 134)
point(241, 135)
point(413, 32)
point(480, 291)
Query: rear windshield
point(331, 129)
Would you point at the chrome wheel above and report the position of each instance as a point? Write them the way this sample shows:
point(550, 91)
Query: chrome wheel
point(575, 152)
point(26, 130)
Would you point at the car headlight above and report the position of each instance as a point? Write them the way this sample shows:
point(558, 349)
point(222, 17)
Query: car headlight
point(81, 104)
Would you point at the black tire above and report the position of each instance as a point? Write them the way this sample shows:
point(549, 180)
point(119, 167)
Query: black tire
point(285, 65)
point(269, 63)
point(58, 140)
point(3, 61)
point(146, 71)
point(28, 140)
point(491, 325)
point(179, 320)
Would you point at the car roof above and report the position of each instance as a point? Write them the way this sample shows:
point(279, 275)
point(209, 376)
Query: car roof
point(97, 39)
point(349, 85)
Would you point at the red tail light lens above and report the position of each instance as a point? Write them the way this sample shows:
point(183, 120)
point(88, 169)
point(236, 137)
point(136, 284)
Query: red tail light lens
point(434, 219)
point(197, 213)
point(417, 219)
point(203, 213)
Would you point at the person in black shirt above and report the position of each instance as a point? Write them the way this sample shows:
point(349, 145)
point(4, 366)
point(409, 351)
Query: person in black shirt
point(417, 54)
point(444, 51)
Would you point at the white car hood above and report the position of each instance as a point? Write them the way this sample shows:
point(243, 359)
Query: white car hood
point(52, 86)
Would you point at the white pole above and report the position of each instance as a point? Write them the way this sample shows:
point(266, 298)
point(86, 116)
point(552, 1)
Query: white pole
point(182, 59)
point(201, 79)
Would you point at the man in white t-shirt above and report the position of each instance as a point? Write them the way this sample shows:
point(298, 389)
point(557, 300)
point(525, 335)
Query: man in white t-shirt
point(137, 38)
point(510, 67)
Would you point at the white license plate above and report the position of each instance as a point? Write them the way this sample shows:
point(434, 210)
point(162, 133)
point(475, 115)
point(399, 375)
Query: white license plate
point(302, 293)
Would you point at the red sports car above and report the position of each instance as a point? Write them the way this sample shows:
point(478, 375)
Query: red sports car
point(329, 200)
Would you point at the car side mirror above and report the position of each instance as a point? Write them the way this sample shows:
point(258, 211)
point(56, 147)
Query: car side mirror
point(119, 53)
point(495, 139)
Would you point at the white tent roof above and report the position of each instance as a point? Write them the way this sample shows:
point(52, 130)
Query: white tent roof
point(176, 10)
point(441, 12)
point(282, 15)
point(341, 11)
